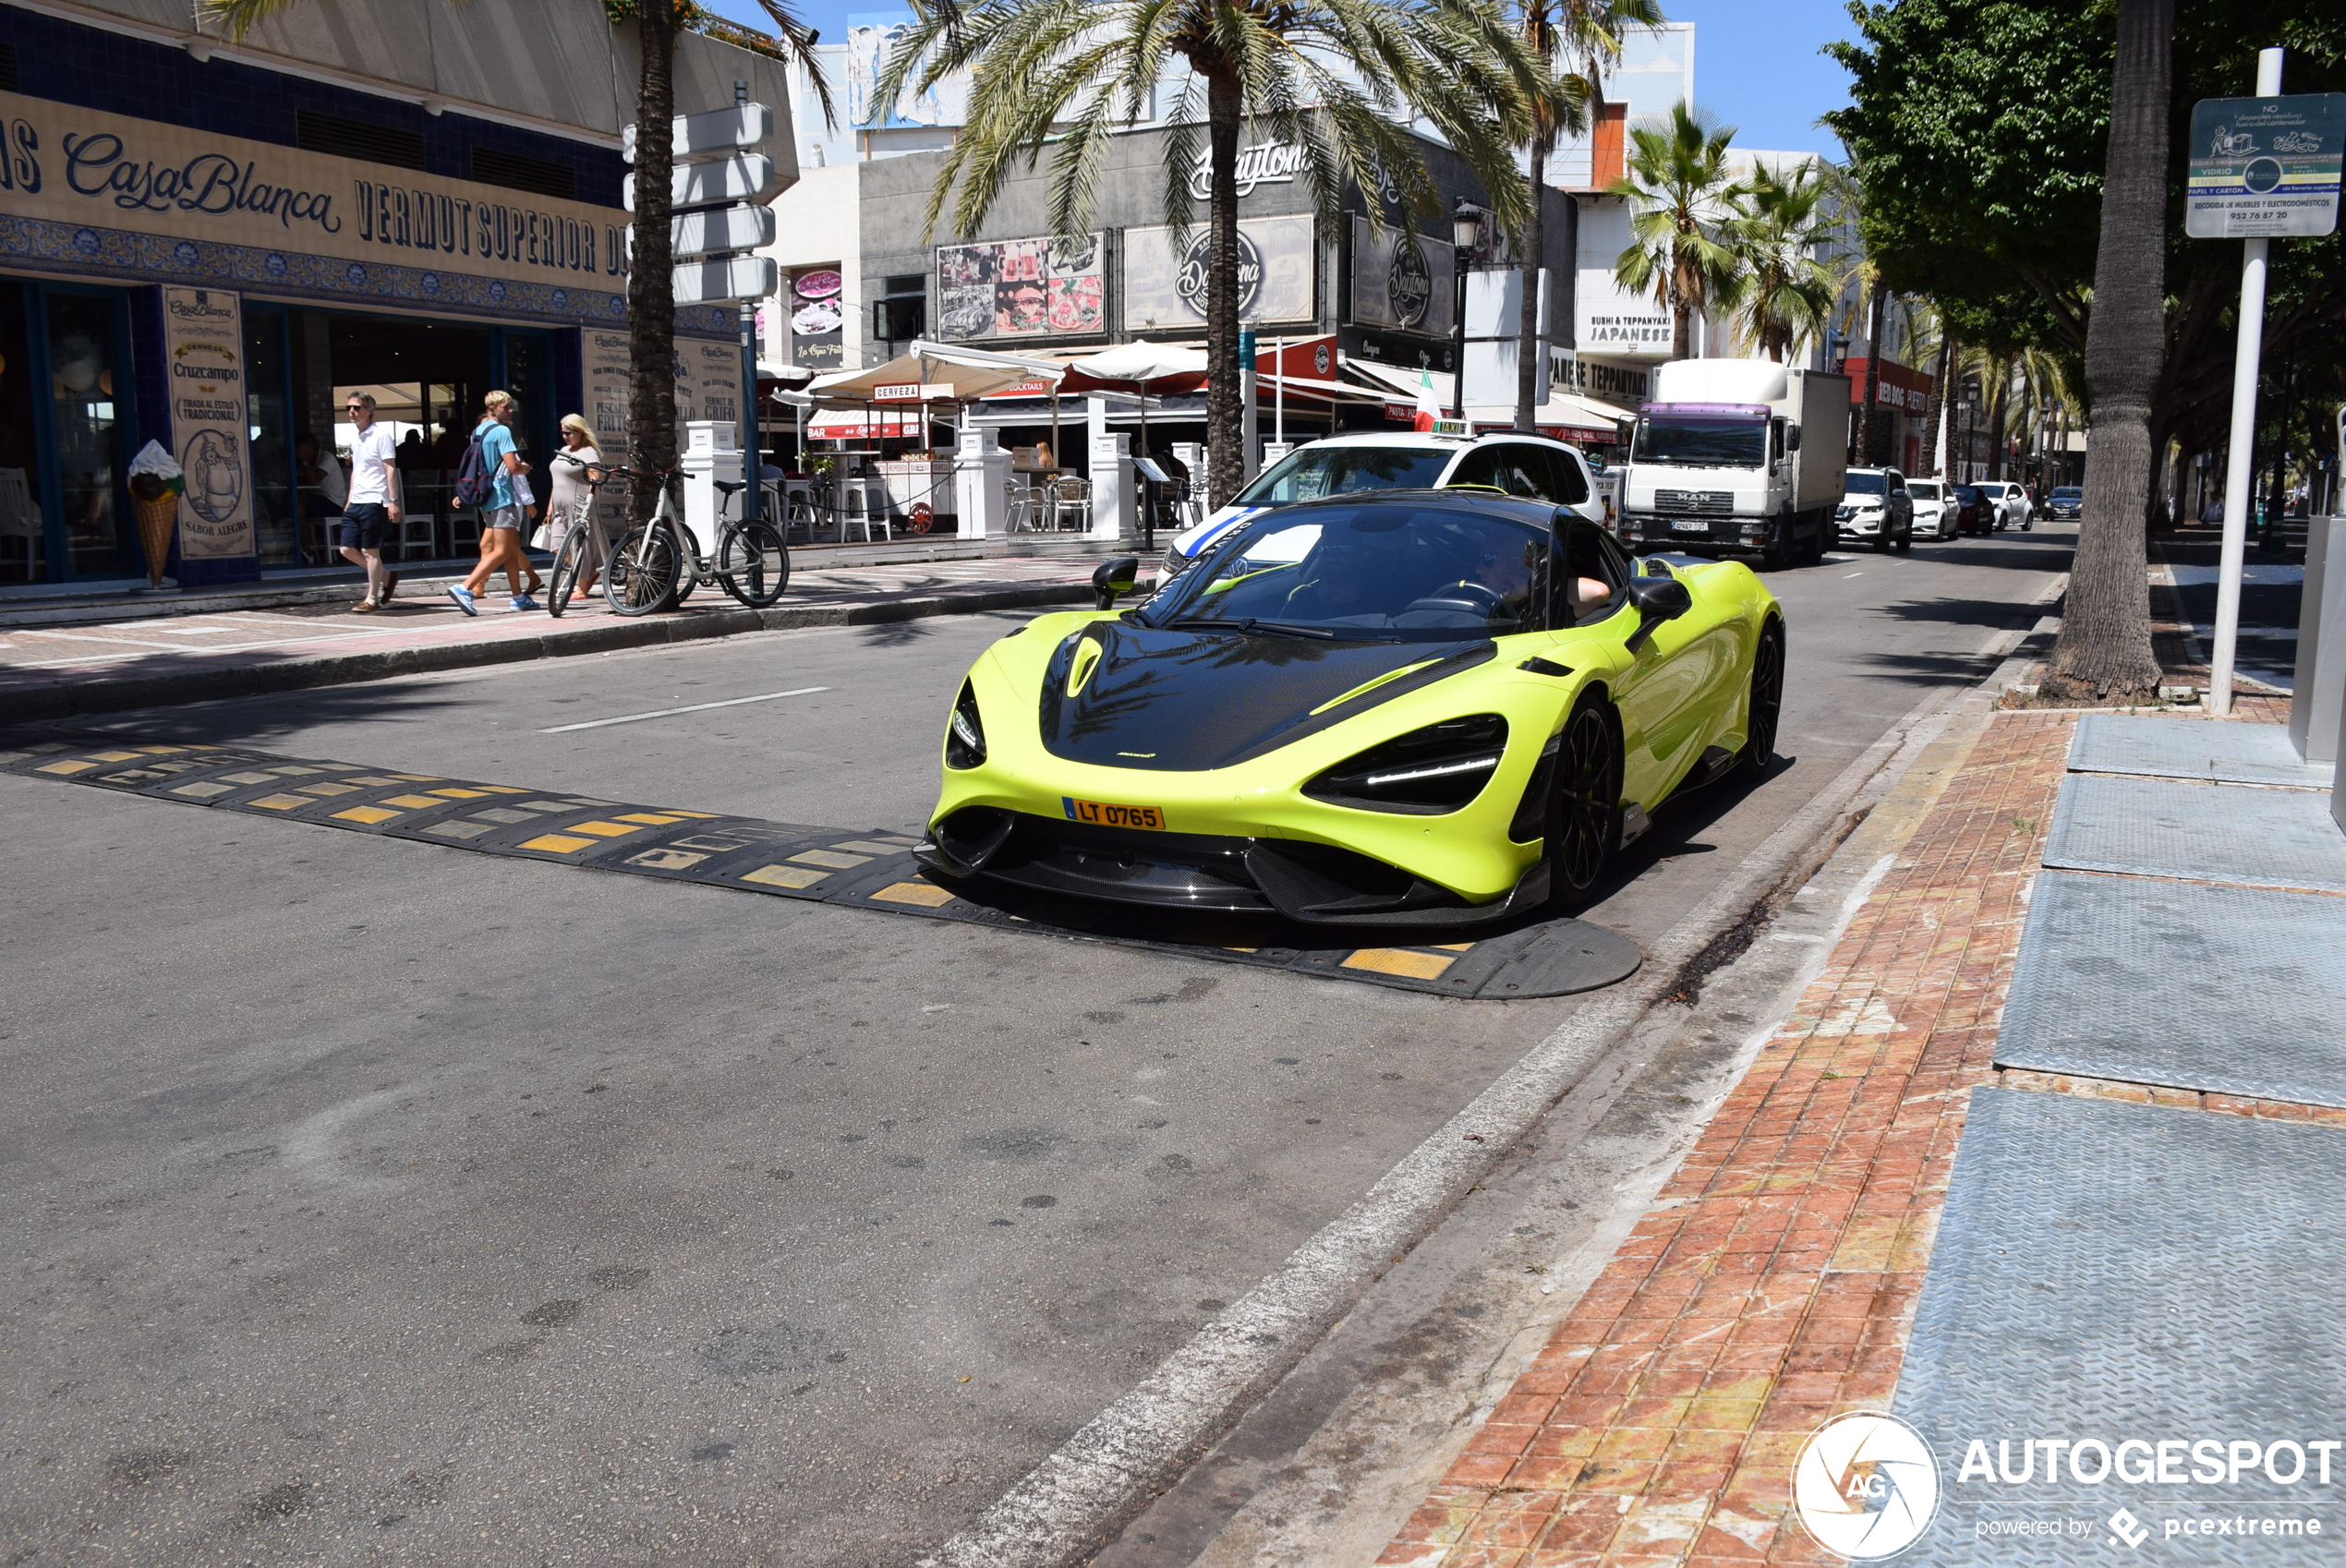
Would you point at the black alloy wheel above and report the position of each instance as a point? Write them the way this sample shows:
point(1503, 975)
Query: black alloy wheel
point(1584, 806)
point(1765, 706)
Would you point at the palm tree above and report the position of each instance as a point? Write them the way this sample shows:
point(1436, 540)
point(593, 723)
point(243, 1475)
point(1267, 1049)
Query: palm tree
point(2105, 653)
point(1786, 295)
point(651, 287)
point(1678, 188)
point(1340, 80)
point(1587, 33)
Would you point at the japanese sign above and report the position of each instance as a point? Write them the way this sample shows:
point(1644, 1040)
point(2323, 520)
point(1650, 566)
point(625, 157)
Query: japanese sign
point(2264, 166)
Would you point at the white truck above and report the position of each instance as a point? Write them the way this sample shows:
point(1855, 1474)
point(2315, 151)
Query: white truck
point(1737, 454)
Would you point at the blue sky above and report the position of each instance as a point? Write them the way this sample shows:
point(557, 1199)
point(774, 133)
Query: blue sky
point(1756, 61)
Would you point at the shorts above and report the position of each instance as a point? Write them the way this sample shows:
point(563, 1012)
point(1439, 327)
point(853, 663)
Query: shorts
point(502, 517)
point(364, 525)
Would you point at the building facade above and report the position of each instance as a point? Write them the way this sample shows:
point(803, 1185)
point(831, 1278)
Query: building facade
point(209, 244)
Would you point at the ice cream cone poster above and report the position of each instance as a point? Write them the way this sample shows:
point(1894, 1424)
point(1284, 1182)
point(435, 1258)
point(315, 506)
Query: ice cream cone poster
point(204, 352)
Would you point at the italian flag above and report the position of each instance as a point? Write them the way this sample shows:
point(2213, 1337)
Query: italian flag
point(1429, 407)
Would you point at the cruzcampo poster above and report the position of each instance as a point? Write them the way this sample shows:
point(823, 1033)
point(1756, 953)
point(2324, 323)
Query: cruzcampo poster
point(204, 352)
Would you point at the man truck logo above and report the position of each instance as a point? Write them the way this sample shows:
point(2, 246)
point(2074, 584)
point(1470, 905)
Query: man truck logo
point(1865, 1486)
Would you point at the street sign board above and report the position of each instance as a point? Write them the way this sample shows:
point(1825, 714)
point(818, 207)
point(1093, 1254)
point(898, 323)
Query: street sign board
point(746, 176)
point(913, 392)
point(720, 130)
point(718, 283)
point(721, 229)
point(2264, 166)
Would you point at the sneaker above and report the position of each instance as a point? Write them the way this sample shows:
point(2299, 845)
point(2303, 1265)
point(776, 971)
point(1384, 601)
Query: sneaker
point(391, 586)
point(462, 595)
point(523, 601)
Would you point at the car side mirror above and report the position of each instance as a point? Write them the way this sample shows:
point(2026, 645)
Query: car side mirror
point(1112, 578)
point(1791, 437)
point(1658, 600)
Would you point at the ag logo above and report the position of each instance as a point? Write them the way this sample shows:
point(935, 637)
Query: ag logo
point(1865, 1486)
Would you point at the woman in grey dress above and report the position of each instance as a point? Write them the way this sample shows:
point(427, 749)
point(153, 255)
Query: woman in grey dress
point(571, 505)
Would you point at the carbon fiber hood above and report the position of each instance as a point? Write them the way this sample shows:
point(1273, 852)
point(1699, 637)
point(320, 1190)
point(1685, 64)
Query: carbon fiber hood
point(1185, 701)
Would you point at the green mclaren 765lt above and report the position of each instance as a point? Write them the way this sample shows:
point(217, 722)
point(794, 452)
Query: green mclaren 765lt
point(1402, 708)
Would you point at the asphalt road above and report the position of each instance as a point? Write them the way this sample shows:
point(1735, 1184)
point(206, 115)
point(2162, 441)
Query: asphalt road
point(372, 1202)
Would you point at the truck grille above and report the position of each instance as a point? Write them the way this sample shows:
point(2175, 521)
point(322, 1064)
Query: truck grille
point(1697, 503)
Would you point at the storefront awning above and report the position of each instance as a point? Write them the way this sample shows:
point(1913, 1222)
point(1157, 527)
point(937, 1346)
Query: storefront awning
point(866, 424)
point(970, 373)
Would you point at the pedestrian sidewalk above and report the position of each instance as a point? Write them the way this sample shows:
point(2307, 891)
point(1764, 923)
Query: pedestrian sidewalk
point(1773, 1284)
point(57, 671)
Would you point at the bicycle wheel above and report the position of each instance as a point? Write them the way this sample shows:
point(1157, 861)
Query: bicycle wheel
point(642, 574)
point(754, 563)
point(567, 561)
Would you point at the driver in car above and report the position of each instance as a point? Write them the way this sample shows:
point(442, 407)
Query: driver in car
point(1510, 582)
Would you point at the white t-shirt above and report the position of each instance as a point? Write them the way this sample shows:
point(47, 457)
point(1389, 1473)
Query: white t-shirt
point(373, 451)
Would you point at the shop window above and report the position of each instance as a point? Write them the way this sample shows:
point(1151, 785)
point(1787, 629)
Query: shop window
point(899, 320)
point(24, 556)
point(512, 171)
point(85, 426)
point(318, 132)
point(275, 537)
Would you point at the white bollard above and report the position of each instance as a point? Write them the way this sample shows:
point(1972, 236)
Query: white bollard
point(980, 470)
point(710, 454)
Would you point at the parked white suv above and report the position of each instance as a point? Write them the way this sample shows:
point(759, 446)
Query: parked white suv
point(2010, 502)
point(1935, 512)
point(1530, 466)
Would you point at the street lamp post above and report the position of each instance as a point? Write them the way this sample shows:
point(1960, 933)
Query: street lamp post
point(1466, 238)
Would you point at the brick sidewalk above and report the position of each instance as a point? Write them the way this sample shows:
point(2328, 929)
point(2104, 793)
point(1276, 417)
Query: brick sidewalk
point(1773, 1284)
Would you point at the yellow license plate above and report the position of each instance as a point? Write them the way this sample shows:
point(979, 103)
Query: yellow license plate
point(1099, 813)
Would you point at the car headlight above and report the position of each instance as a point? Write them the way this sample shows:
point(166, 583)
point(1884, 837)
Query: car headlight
point(964, 735)
point(1427, 772)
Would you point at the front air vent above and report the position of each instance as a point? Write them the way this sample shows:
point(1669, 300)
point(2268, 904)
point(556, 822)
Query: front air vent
point(362, 139)
point(514, 171)
point(1696, 503)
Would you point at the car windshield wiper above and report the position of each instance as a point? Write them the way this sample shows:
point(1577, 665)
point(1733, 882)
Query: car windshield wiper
point(1251, 625)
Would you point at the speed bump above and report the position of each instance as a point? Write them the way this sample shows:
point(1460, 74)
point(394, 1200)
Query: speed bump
point(870, 868)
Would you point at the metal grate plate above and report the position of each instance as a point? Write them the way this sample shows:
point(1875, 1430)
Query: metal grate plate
point(2211, 832)
point(2114, 1271)
point(2238, 990)
point(2190, 748)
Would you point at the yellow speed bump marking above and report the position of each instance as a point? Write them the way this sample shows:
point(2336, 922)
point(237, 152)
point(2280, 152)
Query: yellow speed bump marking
point(461, 794)
point(64, 768)
point(558, 843)
point(786, 876)
point(604, 829)
point(1400, 962)
point(505, 789)
point(919, 893)
point(414, 802)
point(1450, 947)
point(652, 819)
point(329, 789)
point(282, 802)
point(116, 756)
point(367, 815)
point(200, 792)
point(824, 858)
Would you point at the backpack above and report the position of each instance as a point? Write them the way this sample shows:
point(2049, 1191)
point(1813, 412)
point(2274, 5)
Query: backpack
point(476, 482)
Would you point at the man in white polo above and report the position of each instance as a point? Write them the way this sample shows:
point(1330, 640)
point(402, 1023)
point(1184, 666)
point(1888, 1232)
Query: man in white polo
point(372, 510)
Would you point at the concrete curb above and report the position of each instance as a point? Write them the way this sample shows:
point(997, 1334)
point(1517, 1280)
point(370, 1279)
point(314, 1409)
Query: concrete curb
point(67, 698)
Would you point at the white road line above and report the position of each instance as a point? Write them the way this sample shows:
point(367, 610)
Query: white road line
point(1846, 576)
point(670, 712)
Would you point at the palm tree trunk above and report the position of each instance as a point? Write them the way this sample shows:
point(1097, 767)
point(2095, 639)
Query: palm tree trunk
point(1225, 468)
point(1530, 374)
point(1996, 420)
point(1871, 422)
point(2105, 653)
point(651, 291)
point(1935, 407)
point(1681, 310)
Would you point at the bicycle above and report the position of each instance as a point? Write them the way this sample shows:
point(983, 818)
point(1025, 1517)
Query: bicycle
point(655, 566)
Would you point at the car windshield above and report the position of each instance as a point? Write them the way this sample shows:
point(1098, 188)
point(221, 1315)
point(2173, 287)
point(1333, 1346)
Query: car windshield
point(1923, 489)
point(1967, 495)
point(1866, 484)
point(1727, 442)
point(1378, 571)
point(1317, 470)
point(2071, 492)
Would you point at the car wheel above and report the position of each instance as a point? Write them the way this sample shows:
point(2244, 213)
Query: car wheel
point(1584, 803)
point(1881, 540)
point(2029, 527)
point(1765, 705)
point(1906, 539)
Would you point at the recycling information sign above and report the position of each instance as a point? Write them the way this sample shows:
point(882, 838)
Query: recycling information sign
point(2264, 166)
